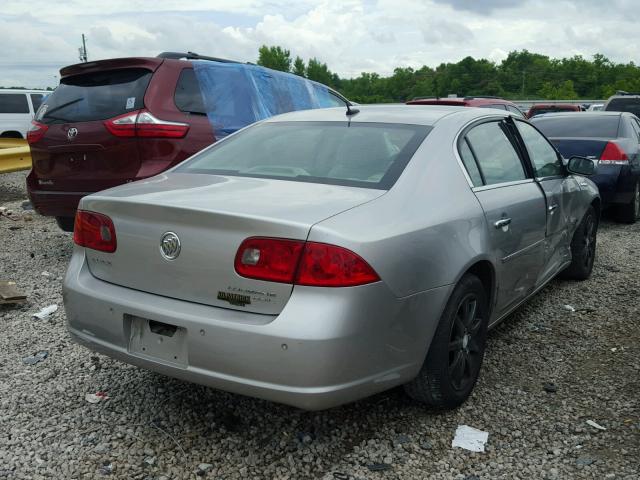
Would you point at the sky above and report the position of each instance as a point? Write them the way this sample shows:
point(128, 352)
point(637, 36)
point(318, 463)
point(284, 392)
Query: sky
point(352, 36)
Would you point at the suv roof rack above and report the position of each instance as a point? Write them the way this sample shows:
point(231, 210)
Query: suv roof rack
point(622, 92)
point(471, 97)
point(193, 56)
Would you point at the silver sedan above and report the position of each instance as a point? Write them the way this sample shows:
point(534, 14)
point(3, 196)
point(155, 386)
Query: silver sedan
point(319, 257)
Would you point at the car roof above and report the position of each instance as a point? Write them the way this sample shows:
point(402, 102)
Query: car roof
point(390, 113)
point(600, 113)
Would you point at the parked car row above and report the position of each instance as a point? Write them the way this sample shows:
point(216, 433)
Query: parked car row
point(17, 109)
point(300, 258)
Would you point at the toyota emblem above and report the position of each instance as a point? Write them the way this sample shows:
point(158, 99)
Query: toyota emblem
point(170, 246)
point(72, 133)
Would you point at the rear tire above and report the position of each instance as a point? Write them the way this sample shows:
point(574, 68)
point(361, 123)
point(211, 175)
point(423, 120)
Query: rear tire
point(630, 212)
point(583, 248)
point(455, 356)
point(65, 223)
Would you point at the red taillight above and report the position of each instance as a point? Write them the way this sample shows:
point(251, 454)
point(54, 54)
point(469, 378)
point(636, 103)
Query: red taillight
point(36, 132)
point(302, 263)
point(270, 259)
point(143, 124)
point(324, 265)
point(613, 155)
point(95, 231)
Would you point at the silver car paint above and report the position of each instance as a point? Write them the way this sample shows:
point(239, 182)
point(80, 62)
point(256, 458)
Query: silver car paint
point(323, 346)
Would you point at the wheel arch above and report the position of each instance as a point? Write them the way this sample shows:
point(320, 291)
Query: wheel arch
point(11, 134)
point(485, 271)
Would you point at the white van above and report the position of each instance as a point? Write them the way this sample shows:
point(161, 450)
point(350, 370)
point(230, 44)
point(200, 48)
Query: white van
point(17, 108)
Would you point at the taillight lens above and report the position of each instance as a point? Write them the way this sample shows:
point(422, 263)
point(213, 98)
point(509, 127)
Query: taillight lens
point(95, 231)
point(143, 124)
point(324, 265)
point(613, 155)
point(36, 132)
point(302, 263)
point(270, 259)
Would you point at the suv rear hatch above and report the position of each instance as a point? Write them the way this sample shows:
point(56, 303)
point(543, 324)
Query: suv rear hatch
point(77, 153)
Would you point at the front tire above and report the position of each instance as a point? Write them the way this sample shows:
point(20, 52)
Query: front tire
point(630, 213)
point(455, 356)
point(583, 248)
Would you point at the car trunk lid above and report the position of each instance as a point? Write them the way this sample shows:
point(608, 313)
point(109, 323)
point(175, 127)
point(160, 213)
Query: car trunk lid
point(211, 215)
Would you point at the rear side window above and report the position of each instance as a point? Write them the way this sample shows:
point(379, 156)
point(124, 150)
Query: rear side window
point(587, 125)
point(470, 164)
point(188, 97)
point(36, 100)
point(369, 155)
point(497, 159)
point(13, 103)
point(96, 96)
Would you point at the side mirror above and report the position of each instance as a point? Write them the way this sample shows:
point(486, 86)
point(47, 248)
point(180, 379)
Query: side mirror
point(581, 166)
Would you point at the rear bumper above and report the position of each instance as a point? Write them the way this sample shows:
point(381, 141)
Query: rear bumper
point(55, 204)
point(327, 347)
point(616, 183)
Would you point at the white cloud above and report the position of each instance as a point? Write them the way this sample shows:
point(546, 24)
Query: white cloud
point(351, 36)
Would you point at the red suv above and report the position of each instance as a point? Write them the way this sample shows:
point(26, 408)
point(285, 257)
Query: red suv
point(481, 102)
point(115, 121)
point(542, 108)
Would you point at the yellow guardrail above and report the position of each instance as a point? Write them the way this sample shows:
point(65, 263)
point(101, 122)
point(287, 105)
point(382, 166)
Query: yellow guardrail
point(14, 155)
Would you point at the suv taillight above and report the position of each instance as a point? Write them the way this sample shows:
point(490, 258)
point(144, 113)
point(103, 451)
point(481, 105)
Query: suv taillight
point(95, 231)
point(36, 132)
point(143, 124)
point(613, 155)
point(302, 263)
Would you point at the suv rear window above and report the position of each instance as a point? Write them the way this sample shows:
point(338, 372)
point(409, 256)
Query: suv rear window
point(583, 125)
point(96, 96)
point(13, 103)
point(370, 155)
point(624, 105)
point(188, 97)
point(36, 100)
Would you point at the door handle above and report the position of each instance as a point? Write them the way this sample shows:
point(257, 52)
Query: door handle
point(502, 223)
point(552, 208)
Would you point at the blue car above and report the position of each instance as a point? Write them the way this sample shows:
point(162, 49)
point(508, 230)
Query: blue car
point(613, 138)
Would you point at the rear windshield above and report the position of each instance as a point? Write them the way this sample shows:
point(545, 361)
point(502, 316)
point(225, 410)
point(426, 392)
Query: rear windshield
point(95, 96)
point(370, 155)
point(583, 125)
point(624, 105)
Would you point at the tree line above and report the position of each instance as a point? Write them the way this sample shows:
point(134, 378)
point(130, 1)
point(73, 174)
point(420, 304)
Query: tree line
point(521, 76)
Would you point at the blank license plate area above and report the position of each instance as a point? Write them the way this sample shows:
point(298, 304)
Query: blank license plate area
point(158, 341)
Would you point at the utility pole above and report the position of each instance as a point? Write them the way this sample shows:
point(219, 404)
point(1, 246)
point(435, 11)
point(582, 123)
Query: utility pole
point(83, 50)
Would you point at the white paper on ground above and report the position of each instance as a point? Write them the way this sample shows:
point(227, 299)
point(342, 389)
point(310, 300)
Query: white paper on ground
point(470, 438)
point(595, 425)
point(45, 312)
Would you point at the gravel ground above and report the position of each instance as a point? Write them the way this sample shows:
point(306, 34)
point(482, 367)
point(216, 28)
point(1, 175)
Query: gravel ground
point(153, 427)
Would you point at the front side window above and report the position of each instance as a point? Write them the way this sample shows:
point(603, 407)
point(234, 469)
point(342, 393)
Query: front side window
point(369, 155)
point(515, 110)
point(544, 157)
point(13, 103)
point(497, 159)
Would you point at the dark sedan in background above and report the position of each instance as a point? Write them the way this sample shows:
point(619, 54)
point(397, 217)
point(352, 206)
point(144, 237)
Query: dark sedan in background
point(611, 137)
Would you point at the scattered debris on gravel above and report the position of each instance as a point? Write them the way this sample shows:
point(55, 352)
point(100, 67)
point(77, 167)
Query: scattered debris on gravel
point(549, 372)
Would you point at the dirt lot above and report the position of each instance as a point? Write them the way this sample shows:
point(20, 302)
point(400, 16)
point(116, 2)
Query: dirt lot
point(153, 427)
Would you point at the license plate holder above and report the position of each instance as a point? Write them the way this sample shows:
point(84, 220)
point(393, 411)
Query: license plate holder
point(158, 341)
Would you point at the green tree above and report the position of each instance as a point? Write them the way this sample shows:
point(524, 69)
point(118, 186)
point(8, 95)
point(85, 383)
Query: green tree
point(274, 57)
point(319, 72)
point(299, 67)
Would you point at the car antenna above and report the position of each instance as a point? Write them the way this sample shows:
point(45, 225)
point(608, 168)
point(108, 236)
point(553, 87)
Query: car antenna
point(351, 111)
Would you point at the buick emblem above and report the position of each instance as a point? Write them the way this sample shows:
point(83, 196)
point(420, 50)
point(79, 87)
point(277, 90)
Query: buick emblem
point(72, 133)
point(170, 246)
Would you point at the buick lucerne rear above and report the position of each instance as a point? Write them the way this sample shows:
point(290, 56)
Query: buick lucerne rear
point(316, 258)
